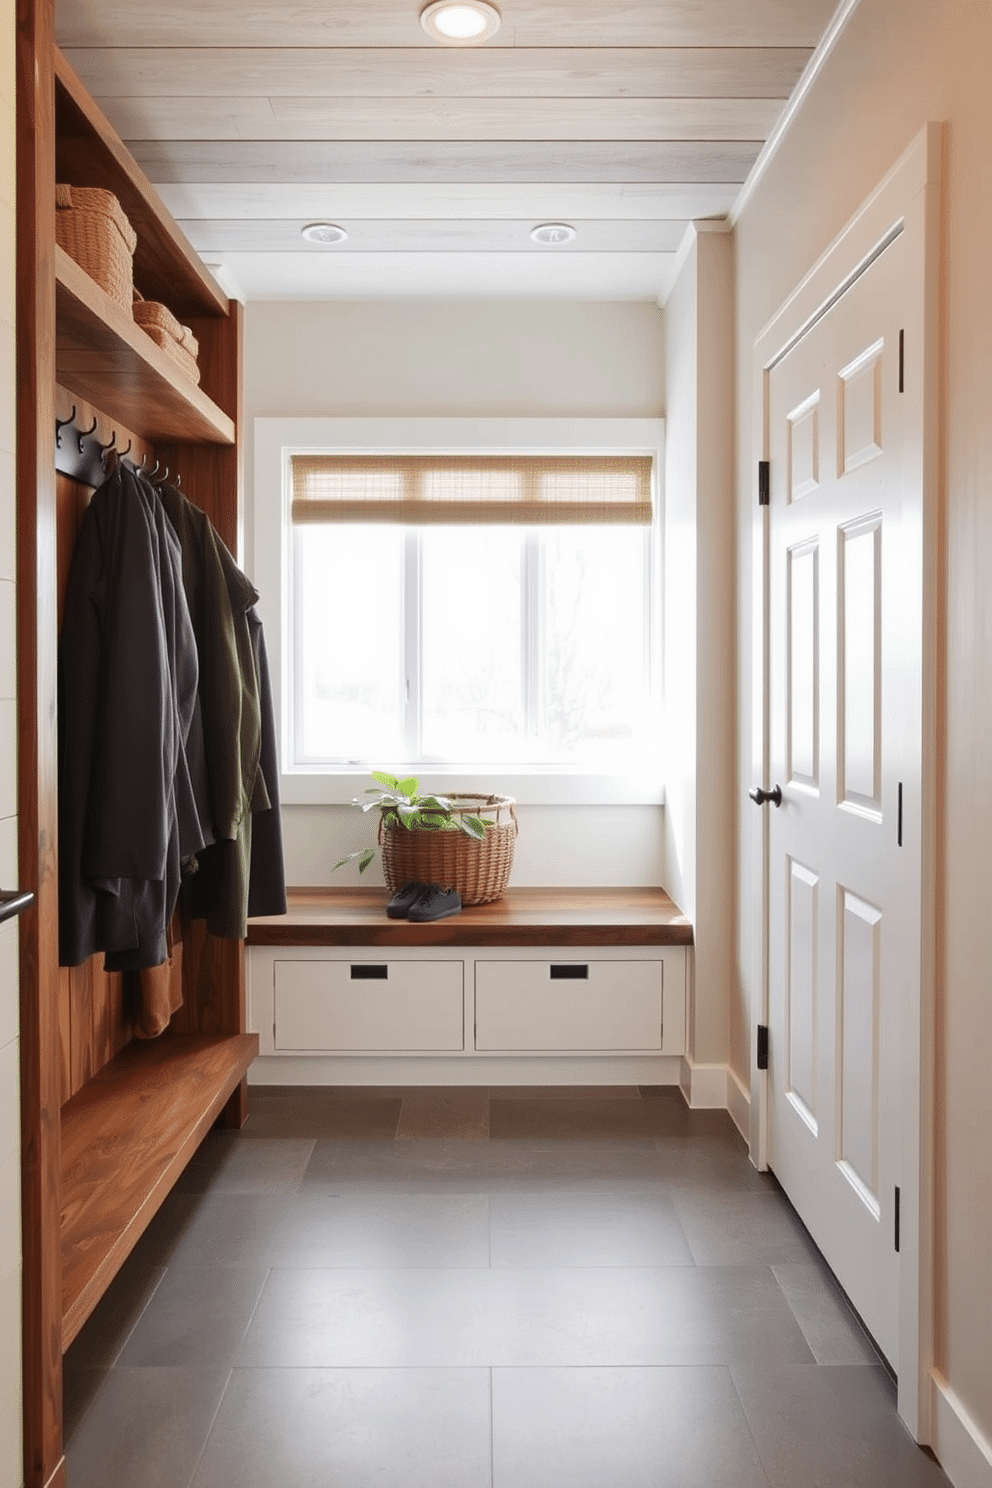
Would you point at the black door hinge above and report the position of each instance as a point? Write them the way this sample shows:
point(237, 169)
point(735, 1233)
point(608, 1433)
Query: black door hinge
point(902, 361)
point(762, 1049)
point(895, 1236)
point(764, 482)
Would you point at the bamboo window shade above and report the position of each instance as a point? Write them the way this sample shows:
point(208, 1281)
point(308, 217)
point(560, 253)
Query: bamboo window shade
point(472, 489)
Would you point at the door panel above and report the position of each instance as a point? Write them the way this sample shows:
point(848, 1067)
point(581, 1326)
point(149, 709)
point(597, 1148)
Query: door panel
point(843, 915)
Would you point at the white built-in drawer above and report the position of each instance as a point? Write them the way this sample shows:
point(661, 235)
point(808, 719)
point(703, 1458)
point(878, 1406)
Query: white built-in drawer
point(568, 1005)
point(374, 1006)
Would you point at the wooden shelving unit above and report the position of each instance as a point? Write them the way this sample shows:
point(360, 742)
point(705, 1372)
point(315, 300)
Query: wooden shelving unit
point(108, 1122)
point(103, 357)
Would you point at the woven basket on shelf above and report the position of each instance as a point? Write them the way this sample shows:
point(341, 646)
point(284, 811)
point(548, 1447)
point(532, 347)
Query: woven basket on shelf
point(479, 870)
point(158, 322)
point(91, 227)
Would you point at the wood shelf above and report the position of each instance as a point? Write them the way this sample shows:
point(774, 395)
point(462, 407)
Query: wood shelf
point(89, 153)
point(126, 1137)
point(523, 917)
point(102, 356)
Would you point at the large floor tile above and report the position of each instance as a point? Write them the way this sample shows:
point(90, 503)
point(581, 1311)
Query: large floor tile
point(831, 1428)
point(477, 1167)
point(198, 1316)
point(607, 1227)
point(145, 1429)
point(81, 1385)
point(717, 1164)
point(351, 1428)
point(230, 1229)
point(101, 1339)
point(468, 1319)
point(372, 1230)
point(227, 1163)
point(587, 1120)
point(746, 1229)
point(326, 1112)
point(639, 1428)
point(831, 1329)
point(460, 1112)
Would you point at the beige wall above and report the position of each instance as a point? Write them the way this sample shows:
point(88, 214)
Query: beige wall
point(898, 64)
point(464, 358)
point(699, 619)
point(10, 1132)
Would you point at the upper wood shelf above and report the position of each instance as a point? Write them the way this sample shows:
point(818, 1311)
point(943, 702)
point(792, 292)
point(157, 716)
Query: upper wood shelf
point(88, 152)
point(126, 1137)
point(523, 917)
point(102, 356)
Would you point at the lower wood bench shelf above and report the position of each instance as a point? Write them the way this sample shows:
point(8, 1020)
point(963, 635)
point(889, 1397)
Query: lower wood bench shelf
point(126, 1137)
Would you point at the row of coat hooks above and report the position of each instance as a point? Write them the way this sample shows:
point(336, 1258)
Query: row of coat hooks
point(86, 459)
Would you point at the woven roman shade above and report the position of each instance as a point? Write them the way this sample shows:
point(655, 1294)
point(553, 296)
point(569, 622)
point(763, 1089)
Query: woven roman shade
point(472, 489)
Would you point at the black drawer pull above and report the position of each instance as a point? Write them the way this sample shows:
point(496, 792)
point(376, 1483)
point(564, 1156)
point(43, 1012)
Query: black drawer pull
point(365, 971)
point(569, 971)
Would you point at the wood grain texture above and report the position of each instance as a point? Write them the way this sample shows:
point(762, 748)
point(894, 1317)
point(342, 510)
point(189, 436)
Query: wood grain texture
point(37, 800)
point(126, 1137)
point(104, 357)
point(431, 236)
point(444, 161)
point(523, 917)
point(315, 118)
point(89, 153)
point(397, 73)
point(394, 23)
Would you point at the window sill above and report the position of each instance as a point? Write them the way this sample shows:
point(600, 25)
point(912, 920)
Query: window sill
point(527, 787)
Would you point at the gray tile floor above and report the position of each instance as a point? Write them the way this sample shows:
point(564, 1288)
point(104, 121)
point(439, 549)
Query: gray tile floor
point(479, 1289)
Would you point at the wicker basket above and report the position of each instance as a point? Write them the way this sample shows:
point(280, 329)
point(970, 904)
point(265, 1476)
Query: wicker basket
point(477, 869)
point(158, 322)
point(91, 227)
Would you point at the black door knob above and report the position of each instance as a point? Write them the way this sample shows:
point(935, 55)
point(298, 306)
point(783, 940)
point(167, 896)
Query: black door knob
point(759, 796)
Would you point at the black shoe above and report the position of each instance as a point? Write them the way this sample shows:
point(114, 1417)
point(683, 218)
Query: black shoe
point(435, 903)
point(404, 899)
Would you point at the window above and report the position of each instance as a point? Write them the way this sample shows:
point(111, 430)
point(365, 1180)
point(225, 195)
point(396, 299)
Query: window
point(451, 612)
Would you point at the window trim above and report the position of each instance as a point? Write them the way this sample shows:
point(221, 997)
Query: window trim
point(277, 439)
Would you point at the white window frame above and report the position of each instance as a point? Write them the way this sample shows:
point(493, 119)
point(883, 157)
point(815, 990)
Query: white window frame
point(276, 440)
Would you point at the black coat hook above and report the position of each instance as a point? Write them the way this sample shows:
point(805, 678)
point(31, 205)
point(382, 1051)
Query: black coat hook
point(128, 450)
point(154, 471)
point(106, 448)
point(85, 434)
point(60, 425)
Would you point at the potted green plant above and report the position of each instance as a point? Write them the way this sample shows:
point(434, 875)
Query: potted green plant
point(460, 840)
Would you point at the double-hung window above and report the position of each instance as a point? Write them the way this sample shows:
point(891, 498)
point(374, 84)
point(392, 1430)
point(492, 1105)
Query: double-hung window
point(452, 612)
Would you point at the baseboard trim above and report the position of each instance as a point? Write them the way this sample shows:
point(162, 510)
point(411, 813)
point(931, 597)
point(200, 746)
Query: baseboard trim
point(739, 1104)
point(704, 1085)
point(962, 1449)
point(459, 1069)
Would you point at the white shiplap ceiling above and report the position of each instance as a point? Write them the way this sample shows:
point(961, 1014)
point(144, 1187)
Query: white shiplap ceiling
point(626, 120)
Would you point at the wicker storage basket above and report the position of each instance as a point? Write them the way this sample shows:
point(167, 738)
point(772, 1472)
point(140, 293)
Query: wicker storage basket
point(479, 870)
point(158, 322)
point(91, 227)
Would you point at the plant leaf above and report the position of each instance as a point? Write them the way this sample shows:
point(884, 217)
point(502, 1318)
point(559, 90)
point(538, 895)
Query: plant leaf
point(384, 779)
point(407, 787)
point(473, 826)
point(365, 859)
point(435, 822)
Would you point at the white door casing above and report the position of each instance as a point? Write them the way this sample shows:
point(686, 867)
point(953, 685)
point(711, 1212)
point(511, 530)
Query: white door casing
point(845, 624)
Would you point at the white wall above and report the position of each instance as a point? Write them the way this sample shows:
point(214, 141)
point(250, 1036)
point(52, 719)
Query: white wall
point(471, 358)
point(11, 1475)
point(898, 64)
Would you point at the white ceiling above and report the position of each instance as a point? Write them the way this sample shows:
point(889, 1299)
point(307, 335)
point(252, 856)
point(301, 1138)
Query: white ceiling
point(626, 120)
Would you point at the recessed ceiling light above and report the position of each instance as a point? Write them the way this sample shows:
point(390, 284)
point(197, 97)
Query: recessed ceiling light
point(324, 232)
point(460, 22)
point(552, 234)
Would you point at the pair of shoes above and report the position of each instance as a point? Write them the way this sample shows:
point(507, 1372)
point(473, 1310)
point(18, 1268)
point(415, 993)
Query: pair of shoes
point(421, 902)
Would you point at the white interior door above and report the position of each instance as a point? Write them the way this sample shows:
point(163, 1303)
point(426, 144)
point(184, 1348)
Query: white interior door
point(844, 742)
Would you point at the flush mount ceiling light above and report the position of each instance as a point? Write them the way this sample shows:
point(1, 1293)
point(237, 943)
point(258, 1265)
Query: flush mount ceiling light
point(324, 233)
point(553, 234)
point(460, 22)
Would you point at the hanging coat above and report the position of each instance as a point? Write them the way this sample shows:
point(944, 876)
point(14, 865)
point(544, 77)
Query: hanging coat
point(128, 676)
point(245, 857)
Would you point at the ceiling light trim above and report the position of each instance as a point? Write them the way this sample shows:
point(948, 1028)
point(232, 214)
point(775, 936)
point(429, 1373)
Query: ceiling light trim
point(553, 234)
point(487, 16)
point(324, 234)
